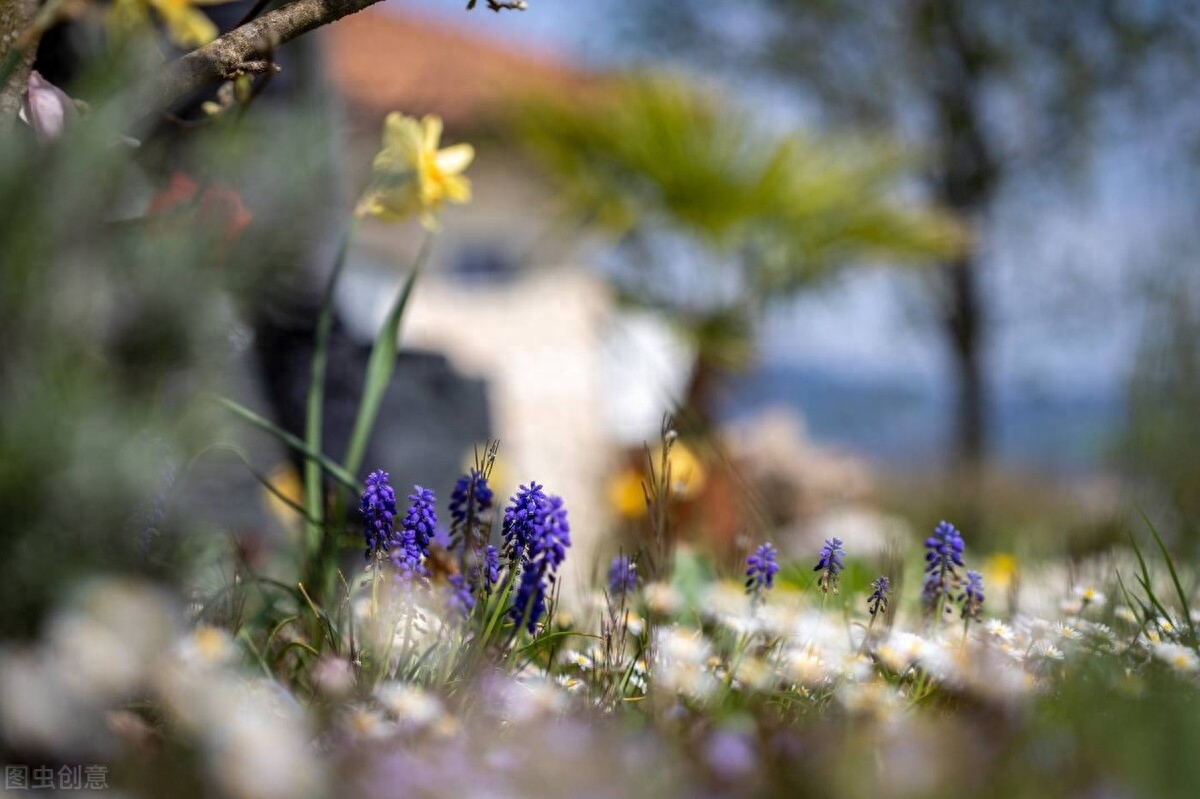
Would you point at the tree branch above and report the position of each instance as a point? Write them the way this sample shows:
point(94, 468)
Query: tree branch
point(243, 49)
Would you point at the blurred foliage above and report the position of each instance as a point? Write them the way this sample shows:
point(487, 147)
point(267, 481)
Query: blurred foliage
point(117, 324)
point(686, 180)
point(652, 153)
point(1162, 438)
point(999, 96)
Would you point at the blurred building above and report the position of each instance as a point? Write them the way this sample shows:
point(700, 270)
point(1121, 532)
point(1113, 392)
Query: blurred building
point(569, 377)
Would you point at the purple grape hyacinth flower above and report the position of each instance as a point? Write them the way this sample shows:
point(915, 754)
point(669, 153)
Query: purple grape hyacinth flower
point(881, 589)
point(972, 596)
point(622, 576)
point(761, 569)
point(491, 567)
point(379, 512)
point(548, 535)
point(458, 597)
point(943, 556)
point(417, 528)
point(830, 565)
point(522, 518)
point(471, 496)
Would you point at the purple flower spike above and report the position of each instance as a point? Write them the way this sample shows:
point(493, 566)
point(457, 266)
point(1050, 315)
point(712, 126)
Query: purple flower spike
point(379, 512)
point(419, 526)
point(830, 565)
point(943, 557)
point(622, 576)
point(761, 569)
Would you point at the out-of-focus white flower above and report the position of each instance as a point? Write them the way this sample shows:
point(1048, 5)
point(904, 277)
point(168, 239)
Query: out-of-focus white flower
point(901, 650)
point(1047, 650)
point(533, 698)
point(998, 629)
point(35, 711)
point(577, 659)
point(681, 662)
point(110, 635)
point(807, 668)
point(855, 667)
point(725, 600)
point(411, 705)
point(207, 647)
point(872, 698)
point(368, 724)
point(1166, 625)
point(679, 644)
point(570, 683)
point(1180, 658)
point(261, 751)
point(662, 598)
point(334, 677)
point(1126, 615)
point(1089, 596)
point(1066, 632)
point(1150, 638)
point(1072, 606)
point(944, 660)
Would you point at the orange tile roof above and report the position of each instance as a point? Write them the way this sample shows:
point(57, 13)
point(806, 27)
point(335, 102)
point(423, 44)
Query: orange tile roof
point(382, 61)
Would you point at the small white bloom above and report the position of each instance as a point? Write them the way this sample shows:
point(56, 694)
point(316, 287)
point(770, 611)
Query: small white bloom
point(1126, 615)
point(1089, 596)
point(807, 668)
point(662, 598)
point(1072, 606)
point(1045, 649)
point(1066, 632)
point(998, 629)
point(409, 704)
point(1180, 658)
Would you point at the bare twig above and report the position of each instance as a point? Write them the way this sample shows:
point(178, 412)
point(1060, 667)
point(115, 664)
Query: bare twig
point(243, 49)
point(501, 5)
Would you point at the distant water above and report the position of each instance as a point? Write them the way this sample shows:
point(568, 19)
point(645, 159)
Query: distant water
point(910, 423)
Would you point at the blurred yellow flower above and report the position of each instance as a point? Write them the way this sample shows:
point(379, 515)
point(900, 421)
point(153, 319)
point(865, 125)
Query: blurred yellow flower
point(688, 474)
point(186, 25)
point(288, 494)
point(625, 494)
point(413, 176)
point(1000, 571)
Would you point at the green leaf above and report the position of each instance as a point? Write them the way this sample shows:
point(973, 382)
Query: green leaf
point(334, 469)
point(1183, 600)
point(381, 367)
point(313, 500)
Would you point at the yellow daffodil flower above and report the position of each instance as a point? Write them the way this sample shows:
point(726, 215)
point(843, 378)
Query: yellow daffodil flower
point(412, 176)
point(186, 25)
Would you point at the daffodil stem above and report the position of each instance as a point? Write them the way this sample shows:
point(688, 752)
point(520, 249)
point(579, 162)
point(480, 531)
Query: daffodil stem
point(314, 501)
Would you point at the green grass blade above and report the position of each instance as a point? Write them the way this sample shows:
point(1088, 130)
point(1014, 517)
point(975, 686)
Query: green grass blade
point(1183, 600)
point(1131, 601)
point(381, 367)
point(261, 478)
point(334, 469)
point(314, 504)
point(1145, 576)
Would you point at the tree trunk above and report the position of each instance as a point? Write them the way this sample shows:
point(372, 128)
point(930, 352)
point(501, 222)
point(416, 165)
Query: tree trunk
point(964, 178)
point(964, 333)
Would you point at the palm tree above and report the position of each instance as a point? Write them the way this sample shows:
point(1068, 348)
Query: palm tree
point(676, 175)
